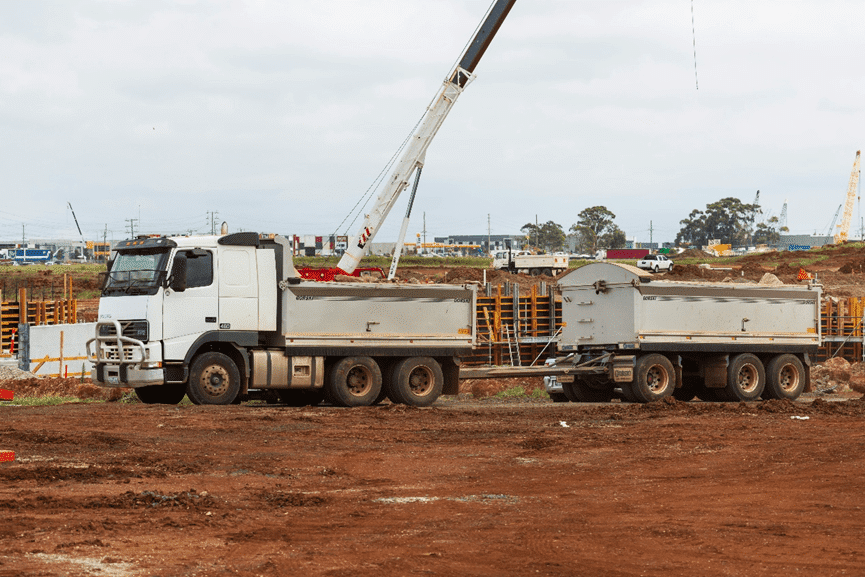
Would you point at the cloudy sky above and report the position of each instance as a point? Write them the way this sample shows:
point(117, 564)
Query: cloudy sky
point(279, 115)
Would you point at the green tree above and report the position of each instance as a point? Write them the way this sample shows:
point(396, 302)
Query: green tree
point(548, 236)
point(729, 220)
point(595, 229)
point(767, 232)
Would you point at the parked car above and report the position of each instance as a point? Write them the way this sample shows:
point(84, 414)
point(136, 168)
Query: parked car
point(655, 263)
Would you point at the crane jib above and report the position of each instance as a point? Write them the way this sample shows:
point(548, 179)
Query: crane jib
point(482, 40)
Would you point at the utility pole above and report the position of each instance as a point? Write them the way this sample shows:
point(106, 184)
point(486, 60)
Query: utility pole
point(132, 222)
point(489, 236)
point(22, 235)
point(424, 230)
point(537, 233)
point(213, 214)
point(650, 233)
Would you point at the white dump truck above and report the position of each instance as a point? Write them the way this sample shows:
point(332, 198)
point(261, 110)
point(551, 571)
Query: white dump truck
point(223, 318)
point(533, 264)
point(651, 339)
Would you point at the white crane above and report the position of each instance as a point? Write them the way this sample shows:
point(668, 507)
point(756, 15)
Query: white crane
point(413, 157)
point(844, 231)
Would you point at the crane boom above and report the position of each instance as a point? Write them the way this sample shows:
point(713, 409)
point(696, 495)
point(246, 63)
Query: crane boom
point(848, 205)
point(412, 158)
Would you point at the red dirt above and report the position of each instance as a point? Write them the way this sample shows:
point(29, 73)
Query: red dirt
point(463, 488)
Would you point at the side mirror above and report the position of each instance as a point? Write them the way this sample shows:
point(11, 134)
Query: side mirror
point(177, 282)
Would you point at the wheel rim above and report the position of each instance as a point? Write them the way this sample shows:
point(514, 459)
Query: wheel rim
point(788, 377)
point(215, 380)
point(421, 381)
point(748, 379)
point(657, 378)
point(359, 381)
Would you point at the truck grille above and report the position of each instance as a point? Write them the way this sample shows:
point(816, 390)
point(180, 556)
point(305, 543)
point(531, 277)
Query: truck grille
point(110, 353)
point(138, 329)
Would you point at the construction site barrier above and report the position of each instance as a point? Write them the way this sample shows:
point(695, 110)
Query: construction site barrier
point(31, 312)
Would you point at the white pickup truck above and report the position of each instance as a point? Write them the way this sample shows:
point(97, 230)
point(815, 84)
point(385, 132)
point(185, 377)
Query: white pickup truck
point(655, 263)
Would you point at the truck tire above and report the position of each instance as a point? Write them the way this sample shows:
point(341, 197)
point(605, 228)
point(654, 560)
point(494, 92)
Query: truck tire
point(416, 381)
point(785, 378)
point(653, 378)
point(535, 272)
point(746, 379)
point(353, 382)
point(213, 380)
point(301, 398)
point(581, 391)
point(161, 394)
point(548, 272)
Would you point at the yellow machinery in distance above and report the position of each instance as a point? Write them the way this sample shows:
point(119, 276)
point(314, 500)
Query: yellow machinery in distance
point(848, 206)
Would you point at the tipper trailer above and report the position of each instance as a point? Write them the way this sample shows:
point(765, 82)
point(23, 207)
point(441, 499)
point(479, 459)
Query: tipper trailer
point(223, 318)
point(624, 331)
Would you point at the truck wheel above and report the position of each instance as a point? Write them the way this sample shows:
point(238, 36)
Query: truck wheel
point(416, 381)
point(746, 379)
point(548, 272)
point(213, 380)
point(301, 398)
point(353, 382)
point(161, 394)
point(785, 378)
point(653, 378)
point(581, 391)
point(558, 398)
point(535, 272)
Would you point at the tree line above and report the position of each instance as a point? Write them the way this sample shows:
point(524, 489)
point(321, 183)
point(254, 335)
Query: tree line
point(729, 220)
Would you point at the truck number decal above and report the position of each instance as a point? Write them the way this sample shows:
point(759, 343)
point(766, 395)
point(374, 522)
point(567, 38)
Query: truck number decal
point(462, 300)
point(304, 297)
point(649, 298)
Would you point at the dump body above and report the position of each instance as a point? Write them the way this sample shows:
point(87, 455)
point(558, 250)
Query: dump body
point(618, 306)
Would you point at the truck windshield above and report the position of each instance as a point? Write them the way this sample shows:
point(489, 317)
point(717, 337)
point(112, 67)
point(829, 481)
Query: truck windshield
point(136, 272)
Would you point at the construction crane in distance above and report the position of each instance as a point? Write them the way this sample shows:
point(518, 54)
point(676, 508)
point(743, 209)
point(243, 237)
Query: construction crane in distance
point(848, 205)
point(834, 220)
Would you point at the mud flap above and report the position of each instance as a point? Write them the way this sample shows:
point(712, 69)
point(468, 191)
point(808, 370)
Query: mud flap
point(623, 368)
point(715, 372)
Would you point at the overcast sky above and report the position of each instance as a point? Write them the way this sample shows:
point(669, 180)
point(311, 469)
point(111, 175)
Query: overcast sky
point(280, 115)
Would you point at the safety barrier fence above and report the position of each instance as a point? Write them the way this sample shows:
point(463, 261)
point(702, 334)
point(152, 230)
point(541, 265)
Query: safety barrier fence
point(32, 312)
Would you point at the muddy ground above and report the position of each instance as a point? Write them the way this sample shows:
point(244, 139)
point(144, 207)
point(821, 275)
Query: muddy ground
point(466, 487)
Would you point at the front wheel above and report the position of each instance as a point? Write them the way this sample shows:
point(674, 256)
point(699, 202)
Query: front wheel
point(653, 378)
point(213, 380)
point(785, 378)
point(416, 381)
point(161, 394)
point(353, 382)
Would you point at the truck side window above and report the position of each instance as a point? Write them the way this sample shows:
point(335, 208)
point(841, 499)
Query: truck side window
point(199, 268)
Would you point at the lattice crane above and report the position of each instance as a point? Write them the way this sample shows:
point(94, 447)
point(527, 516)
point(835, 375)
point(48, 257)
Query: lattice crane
point(848, 205)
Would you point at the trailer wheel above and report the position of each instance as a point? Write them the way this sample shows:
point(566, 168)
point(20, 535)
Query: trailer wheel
point(548, 272)
point(535, 272)
point(213, 380)
point(416, 381)
point(785, 378)
point(558, 398)
point(161, 394)
point(581, 391)
point(301, 398)
point(746, 379)
point(653, 378)
point(353, 382)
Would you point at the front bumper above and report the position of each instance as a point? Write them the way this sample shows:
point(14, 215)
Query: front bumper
point(120, 361)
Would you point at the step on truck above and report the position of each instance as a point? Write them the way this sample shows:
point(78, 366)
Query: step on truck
point(624, 331)
point(227, 318)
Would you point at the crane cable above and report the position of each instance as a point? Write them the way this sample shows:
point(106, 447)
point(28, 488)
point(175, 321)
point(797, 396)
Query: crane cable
point(694, 36)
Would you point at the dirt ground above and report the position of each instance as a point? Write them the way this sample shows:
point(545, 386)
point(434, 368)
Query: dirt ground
point(466, 487)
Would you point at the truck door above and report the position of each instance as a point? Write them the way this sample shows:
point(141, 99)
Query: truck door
point(238, 289)
point(195, 310)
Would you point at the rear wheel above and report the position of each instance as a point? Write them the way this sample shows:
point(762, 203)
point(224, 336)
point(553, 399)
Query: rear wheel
point(213, 380)
point(746, 379)
point(548, 271)
point(535, 272)
point(353, 382)
point(416, 381)
point(785, 378)
point(653, 378)
point(161, 394)
point(657, 268)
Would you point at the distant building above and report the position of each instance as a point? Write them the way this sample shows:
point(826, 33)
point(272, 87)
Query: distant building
point(803, 241)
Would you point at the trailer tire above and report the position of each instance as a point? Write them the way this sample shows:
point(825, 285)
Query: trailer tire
point(581, 391)
point(353, 382)
point(416, 381)
point(746, 379)
point(213, 380)
point(785, 378)
point(301, 398)
point(161, 394)
point(653, 378)
point(535, 272)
